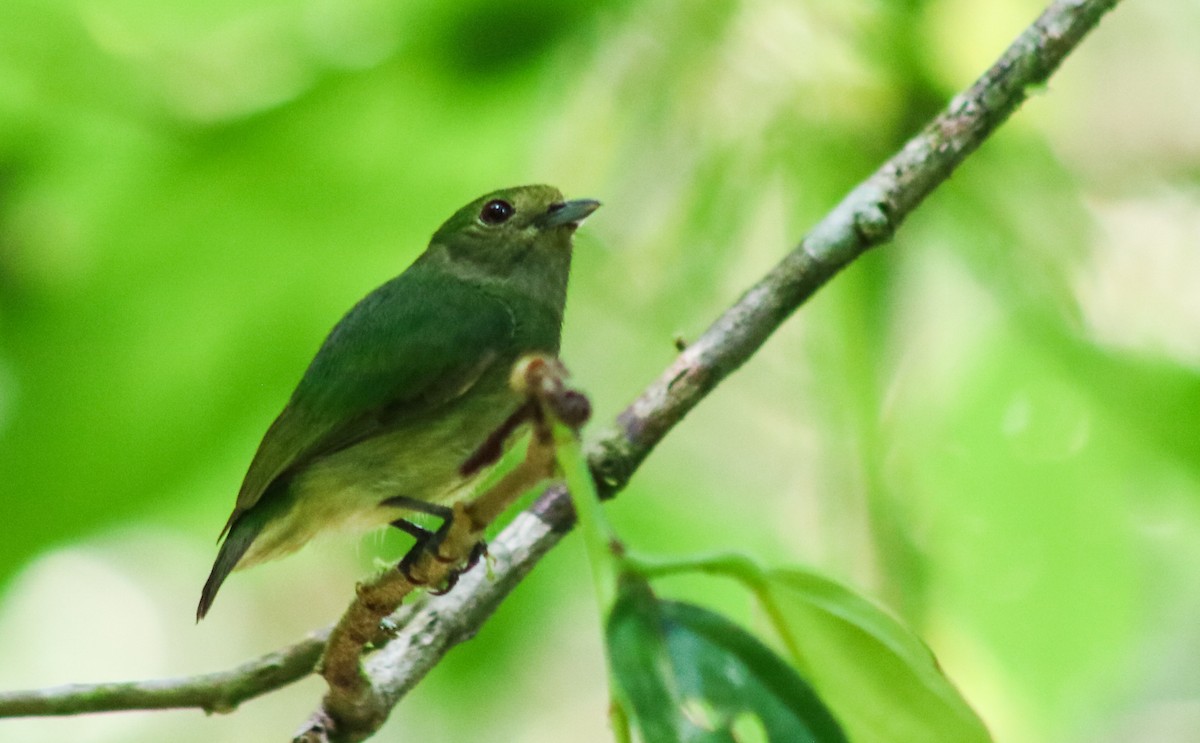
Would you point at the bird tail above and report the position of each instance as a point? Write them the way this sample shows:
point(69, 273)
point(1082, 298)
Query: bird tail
point(242, 532)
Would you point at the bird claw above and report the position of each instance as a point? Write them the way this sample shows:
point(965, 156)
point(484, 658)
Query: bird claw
point(426, 541)
point(478, 552)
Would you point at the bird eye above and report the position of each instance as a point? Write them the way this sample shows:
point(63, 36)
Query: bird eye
point(496, 211)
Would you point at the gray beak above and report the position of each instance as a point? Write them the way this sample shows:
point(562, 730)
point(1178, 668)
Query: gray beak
point(567, 212)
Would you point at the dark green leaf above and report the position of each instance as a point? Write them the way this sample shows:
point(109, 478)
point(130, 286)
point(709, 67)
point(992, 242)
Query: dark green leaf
point(690, 675)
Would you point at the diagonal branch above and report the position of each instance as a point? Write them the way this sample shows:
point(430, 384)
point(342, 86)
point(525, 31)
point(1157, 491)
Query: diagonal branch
point(866, 217)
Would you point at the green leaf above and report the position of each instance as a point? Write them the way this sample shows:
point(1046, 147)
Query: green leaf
point(688, 674)
point(882, 682)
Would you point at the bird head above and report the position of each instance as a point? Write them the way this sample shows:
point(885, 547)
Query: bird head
point(513, 231)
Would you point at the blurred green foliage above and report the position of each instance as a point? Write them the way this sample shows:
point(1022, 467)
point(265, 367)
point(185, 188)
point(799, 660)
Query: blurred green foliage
point(990, 425)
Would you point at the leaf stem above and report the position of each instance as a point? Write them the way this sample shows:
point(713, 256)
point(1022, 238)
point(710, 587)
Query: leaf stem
point(741, 568)
point(604, 549)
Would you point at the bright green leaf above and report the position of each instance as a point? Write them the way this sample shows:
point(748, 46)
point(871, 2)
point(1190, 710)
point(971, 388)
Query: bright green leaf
point(688, 674)
point(880, 680)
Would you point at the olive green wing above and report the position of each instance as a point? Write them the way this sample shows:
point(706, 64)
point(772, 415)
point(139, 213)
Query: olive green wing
point(414, 344)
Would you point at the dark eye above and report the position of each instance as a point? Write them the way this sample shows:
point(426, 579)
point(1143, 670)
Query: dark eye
point(496, 211)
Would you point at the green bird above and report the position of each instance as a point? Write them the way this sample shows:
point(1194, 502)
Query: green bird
point(410, 382)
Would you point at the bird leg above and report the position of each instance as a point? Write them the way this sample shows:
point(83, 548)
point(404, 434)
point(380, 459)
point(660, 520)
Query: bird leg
point(430, 541)
point(492, 448)
point(420, 533)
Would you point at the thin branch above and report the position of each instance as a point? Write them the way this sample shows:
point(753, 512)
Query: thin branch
point(445, 621)
point(866, 217)
point(211, 692)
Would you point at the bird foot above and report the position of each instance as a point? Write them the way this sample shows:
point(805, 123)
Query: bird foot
point(431, 541)
point(478, 552)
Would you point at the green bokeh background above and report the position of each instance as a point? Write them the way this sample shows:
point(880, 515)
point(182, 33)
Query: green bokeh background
point(990, 425)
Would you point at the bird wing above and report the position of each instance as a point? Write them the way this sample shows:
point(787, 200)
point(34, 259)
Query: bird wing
point(412, 345)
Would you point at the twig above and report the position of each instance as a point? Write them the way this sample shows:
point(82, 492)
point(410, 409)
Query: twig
point(445, 621)
point(211, 692)
point(866, 217)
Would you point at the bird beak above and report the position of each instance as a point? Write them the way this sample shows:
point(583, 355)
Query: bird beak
point(567, 212)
